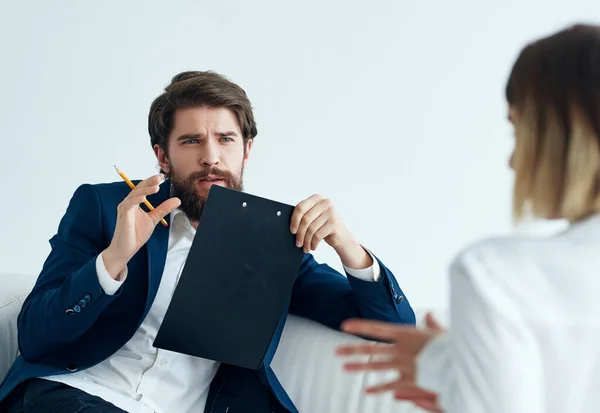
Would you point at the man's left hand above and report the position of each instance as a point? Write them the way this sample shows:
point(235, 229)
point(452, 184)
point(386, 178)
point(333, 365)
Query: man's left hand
point(315, 219)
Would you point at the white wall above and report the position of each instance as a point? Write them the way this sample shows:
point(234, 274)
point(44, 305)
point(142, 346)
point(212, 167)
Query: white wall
point(393, 109)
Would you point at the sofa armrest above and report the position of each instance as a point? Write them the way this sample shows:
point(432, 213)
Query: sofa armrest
point(13, 290)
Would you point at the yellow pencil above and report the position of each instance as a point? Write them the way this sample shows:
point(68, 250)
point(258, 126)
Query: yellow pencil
point(131, 185)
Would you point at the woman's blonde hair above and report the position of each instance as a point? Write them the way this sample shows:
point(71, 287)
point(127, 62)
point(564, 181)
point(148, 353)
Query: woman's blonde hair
point(554, 88)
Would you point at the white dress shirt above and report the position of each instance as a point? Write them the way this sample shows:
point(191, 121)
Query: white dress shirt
point(524, 332)
point(141, 378)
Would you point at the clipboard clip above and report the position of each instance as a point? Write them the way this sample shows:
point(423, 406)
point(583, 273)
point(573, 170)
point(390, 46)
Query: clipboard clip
point(245, 204)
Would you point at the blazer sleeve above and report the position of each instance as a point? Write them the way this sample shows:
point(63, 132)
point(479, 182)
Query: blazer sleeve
point(327, 296)
point(67, 297)
point(489, 360)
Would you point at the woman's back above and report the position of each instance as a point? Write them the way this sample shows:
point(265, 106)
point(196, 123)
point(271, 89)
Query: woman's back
point(525, 326)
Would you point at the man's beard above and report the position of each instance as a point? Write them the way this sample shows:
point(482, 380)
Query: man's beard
point(184, 188)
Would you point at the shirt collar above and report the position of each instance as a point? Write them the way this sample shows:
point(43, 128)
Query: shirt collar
point(179, 218)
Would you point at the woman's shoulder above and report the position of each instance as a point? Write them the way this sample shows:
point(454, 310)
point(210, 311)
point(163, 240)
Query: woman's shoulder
point(502, 258)
point(510, 273)
point(528, 243)
point(491, 248)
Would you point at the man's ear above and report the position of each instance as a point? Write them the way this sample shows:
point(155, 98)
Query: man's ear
point(163, 159)
point(247, 147)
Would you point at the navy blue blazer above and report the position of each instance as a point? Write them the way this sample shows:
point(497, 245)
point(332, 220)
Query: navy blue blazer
point(56, 337)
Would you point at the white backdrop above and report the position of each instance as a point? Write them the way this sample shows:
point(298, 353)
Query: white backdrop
point(393, 109)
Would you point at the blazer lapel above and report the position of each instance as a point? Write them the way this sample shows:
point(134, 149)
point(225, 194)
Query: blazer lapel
point(157, 245)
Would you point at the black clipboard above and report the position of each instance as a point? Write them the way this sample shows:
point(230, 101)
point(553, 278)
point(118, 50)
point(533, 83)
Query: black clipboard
point(236, 282)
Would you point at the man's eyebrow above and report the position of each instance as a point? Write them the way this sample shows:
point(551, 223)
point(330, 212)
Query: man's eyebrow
point(187, 136)
point(227, 133)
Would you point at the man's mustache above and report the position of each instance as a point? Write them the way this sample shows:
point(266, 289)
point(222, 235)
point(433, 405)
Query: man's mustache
point(205, 173)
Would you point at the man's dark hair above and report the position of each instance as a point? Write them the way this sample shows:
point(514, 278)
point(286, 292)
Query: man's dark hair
point(198, 89)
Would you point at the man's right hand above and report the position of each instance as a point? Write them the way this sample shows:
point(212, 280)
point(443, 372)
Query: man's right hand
point(135, 226)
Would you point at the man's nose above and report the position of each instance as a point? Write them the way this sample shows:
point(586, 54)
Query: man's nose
point(210, 155)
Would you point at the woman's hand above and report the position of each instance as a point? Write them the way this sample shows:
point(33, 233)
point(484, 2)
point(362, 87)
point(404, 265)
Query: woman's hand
point(402, 346)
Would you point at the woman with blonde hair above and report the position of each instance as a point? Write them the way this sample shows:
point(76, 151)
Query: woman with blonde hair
point(524, 330)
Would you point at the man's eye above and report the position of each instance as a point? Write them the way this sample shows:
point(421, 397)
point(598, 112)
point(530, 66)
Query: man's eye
point(226, 139)
point(191, 141)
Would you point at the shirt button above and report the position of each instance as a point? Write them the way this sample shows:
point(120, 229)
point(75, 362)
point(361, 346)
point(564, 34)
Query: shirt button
point(163, 362)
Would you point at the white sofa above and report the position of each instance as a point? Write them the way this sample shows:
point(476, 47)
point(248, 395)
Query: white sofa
point(304, 362)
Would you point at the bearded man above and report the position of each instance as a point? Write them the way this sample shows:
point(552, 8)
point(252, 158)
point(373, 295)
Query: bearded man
point(87, 327)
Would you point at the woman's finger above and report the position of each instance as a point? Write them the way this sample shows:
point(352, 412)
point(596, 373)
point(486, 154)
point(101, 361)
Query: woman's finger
point(365, 349)
point(383, 330)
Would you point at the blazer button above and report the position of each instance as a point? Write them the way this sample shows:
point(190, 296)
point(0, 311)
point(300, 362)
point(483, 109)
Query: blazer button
point(71, 367)
point(82, 303)
point(399, 299)
point(87, 298)
point(70, 312)
point(76, 308)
